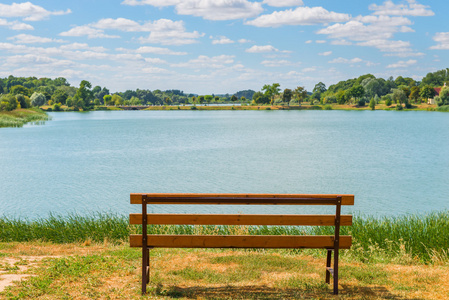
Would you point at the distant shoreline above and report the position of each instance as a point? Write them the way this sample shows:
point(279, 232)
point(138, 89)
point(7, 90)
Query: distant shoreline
point(420, 107)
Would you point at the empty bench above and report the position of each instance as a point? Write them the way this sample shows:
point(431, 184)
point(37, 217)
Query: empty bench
point(333, 243)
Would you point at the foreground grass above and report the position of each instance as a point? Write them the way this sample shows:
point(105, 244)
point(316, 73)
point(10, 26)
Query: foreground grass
point(19, 117)
point(420, 238)
point(106, 271)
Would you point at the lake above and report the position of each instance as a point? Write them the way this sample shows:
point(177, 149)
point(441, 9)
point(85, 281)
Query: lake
point(394, 162)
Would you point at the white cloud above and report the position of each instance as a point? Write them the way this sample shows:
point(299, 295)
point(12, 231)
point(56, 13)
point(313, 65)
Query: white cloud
point(309, 42)
point(278, 63)
point(355, 60)
point(172, 37)
point(327, 53)
point(320, 41)
point(402, 64)
point(32, 39)
point(28, 11)
point(219, 9)
point(208, 9)
point(15, 25)
point(222, 40)
point(244, 41)
point(162, 31)
point(283, 3)
point(306, 70)
point(442, 39)
point(153, 50)
point(157, 3)
point(299, 16)
point(412, 9)
point(88, 31)
point(261, 49)
point(206, 62)
point(341, 42)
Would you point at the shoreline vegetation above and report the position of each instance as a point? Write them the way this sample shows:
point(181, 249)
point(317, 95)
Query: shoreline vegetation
point(420, 236)
point(88, 257)
point(19, 117)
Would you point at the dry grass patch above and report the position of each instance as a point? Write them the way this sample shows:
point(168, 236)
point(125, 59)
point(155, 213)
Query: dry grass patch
point(100, 271)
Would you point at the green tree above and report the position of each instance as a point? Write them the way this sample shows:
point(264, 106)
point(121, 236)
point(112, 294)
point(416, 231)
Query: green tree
point(60, 96)
point(18, 89)
point(38, 99)
point(399, 96)
point(372, 104)
point(341, 96)
point(233, 99)
point(357, 91)
point(287, 96)
point(427, 92)
point(117, 100)
point(22, 100)
point(444, 96)
point(271, 90)
point(194, 100)
point(8, 102)
point(208, 98)
point(414, 93)
point(84, 95)
point(201, 99)
point(107, 99)
point(300, 94)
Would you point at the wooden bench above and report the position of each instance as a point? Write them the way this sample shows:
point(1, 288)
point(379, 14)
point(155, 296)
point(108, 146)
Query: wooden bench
point(333, 243)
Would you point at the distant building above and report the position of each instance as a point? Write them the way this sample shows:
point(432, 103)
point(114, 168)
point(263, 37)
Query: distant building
point(437, 93)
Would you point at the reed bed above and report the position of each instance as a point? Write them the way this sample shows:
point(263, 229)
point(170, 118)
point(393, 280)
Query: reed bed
point(419, 237)
point(20, 117)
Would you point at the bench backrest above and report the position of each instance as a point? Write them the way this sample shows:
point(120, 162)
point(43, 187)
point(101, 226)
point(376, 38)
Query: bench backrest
point(242, 241)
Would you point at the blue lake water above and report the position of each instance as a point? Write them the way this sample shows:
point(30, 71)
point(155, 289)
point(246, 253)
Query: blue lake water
point(394, 162)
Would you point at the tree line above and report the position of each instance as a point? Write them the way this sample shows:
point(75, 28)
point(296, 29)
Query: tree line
point(25, 92)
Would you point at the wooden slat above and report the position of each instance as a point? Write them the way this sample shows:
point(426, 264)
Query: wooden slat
point(240, 241)
point(236, 199)
point(239, 219)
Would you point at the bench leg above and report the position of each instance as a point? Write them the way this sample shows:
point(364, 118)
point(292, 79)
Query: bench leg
point(145, 263)
point(336, 272)
point(328, 265)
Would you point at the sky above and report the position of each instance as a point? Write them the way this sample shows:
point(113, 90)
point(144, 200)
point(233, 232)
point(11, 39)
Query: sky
point(222, 46)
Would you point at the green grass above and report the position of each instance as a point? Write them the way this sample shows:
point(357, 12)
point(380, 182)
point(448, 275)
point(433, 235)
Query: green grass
point(408, 238)
point(444, 108)
point(19, 117)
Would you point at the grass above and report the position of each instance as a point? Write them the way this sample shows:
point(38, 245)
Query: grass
point(107, 271)
point(19, 117)
point(409, 238)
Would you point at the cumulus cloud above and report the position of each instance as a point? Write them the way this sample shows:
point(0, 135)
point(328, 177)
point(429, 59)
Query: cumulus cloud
point(278, 63)
point(222, 40)
point(410, 9)
point(442, 39)
point(32, 39)
point(152, 50)
point(208, 9)
point(162, 31)
point(327, 53)
point(355, 60)
point(283, 3)
point(28, 11)
point(88, 31)
point(261, 49)
point(299, 16)
point(204, 61)
point(15, 25)
point(402, 64)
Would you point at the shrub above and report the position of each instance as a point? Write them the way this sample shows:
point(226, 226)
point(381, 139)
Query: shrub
point(193, 107)
point(328, 107)
point(57, 107)
point(372, 104)
point(399, 106)
point(361, 102)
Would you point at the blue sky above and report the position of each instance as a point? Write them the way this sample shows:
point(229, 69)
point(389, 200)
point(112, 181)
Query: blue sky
point(222, 46)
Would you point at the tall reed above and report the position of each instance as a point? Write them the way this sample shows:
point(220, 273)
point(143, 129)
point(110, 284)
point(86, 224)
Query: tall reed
point(421, 235)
